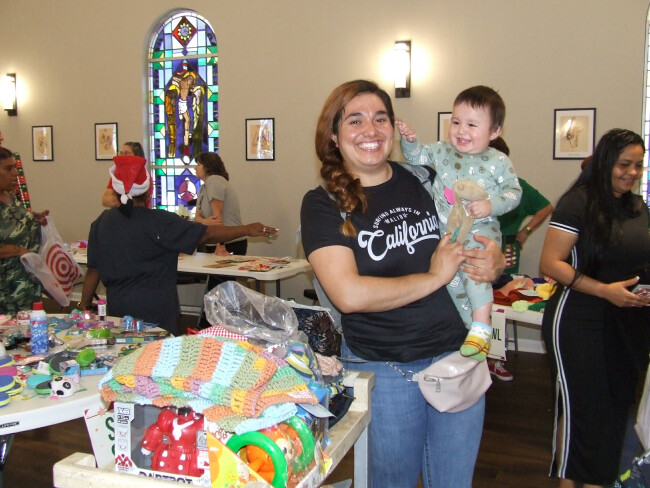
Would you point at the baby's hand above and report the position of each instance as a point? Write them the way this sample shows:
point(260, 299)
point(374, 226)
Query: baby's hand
point(406, 131)
point(479, 209)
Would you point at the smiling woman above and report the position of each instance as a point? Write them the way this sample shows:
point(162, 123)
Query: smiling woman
point(627, 170)
point(20, 233)
point(391, 292)
point(365, 136)
point(594, 327)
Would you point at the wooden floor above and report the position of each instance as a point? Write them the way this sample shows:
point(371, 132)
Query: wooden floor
point(515, 449)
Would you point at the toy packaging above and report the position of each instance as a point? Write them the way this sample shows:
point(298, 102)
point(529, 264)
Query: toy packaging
point(173, 442)
point(135, 337)
point(181, 445)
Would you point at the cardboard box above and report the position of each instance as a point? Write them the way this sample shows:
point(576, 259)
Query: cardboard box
point(134, 422)
point(220, 466)
point(99, 422)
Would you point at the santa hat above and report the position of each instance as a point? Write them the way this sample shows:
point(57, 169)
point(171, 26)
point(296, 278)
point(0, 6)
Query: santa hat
point(129, 176)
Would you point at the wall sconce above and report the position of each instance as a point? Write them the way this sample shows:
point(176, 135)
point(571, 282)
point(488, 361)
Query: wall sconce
point(402, 67)
point(8, 94)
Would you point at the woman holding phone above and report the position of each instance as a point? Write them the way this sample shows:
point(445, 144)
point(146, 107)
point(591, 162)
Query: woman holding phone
point(595, 327)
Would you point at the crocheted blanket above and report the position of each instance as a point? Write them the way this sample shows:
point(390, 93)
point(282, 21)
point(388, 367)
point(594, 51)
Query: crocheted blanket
point(228, 381)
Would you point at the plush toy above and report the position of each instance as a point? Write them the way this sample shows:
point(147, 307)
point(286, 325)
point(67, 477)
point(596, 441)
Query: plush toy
point(462, 192)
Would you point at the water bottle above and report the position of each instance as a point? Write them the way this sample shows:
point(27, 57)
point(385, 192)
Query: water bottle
point(101, 309)
point(38, 329)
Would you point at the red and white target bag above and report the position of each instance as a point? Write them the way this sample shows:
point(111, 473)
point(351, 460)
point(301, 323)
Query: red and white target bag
point(54, 266)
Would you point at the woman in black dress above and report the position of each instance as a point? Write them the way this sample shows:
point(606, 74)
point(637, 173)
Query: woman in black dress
point(595, 327)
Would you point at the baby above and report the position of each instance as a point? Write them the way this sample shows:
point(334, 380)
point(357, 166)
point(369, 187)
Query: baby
point(477, 118)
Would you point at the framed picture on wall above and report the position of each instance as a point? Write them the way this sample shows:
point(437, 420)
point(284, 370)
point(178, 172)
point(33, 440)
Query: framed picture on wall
point(260, 139)
point(105, 140)
point(574, 133)
point(444, 119)
point(42, 143)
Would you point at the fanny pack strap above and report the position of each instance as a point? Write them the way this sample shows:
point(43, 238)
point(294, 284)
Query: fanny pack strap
point(408, 375)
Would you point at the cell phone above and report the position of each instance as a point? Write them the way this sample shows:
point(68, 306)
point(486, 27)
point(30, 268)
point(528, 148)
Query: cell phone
point(642, 290)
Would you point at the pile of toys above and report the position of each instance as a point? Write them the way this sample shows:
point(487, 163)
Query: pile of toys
point(229, 406)
point(77, 346)
point(188, 397)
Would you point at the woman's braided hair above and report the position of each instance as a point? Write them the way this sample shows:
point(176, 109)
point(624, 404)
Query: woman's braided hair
point(345, 188)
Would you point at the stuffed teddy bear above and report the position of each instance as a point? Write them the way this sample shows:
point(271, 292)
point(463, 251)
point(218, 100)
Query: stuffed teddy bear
point(462, 192)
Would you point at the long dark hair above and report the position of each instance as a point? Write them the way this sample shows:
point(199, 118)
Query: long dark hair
point(604, 213)
point(346, 188)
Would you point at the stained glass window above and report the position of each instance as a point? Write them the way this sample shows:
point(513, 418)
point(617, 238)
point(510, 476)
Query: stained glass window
point(183, 105)
point(645, 179)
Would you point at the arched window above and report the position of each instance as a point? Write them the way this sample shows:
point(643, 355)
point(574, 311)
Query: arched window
point(646, 112)
point(183, 105)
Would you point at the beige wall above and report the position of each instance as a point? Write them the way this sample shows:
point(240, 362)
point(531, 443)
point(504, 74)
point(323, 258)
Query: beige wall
point(81, 62)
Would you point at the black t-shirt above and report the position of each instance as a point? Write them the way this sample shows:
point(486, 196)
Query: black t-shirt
point(396, 236)
point(620, 260)
point(137, 260)
point(621, 333)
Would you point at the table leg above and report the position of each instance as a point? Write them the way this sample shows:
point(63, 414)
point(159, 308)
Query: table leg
point(206, 289)
point(5, 445)
point(361, 478)
point(277, 288)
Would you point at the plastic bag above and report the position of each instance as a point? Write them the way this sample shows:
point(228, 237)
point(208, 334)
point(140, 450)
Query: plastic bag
point(54, 266)
point(251, 314)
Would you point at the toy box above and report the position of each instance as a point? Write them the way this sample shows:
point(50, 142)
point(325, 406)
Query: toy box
point(145, 434)
point(192, 450)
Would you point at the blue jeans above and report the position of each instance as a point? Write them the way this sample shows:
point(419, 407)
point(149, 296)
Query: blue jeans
point(408, 436)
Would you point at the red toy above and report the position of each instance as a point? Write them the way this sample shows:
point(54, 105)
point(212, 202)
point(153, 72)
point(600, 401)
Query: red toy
point(172, 440)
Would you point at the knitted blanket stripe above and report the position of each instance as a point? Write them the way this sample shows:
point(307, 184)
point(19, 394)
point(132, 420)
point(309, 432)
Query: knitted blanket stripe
point(208, 351)
point(129, 363)
point(147, 360)
point(180, 359)
point(227, 380)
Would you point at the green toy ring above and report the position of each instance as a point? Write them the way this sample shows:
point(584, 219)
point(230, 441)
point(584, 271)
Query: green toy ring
point(281, 474)
point(55, 364)
point(307, 440)
point(43, 388)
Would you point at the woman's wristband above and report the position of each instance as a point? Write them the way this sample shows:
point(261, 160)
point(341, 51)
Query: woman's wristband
point(576, 277)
